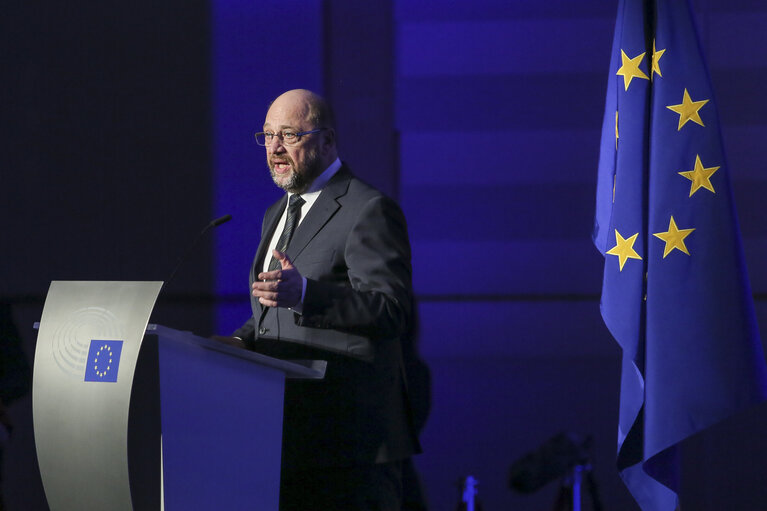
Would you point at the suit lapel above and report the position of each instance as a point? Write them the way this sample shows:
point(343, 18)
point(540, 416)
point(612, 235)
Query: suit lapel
point(271, 217)
point(320, 213)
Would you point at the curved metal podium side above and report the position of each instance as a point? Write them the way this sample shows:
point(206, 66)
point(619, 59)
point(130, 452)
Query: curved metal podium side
point(87, 346)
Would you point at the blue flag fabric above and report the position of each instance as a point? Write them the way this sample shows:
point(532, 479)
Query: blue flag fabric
point(103, 361)
point(675, 292)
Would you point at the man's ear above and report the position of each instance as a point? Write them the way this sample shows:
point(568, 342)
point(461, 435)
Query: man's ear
point(329, 138)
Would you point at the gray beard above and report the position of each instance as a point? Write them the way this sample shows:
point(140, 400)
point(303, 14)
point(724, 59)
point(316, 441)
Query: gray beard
point(301, 179)
point(296, 183)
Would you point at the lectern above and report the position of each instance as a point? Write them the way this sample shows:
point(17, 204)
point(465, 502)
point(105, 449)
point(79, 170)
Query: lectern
point(134, 418)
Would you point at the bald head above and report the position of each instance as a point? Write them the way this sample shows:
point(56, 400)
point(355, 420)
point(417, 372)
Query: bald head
point(309, 106)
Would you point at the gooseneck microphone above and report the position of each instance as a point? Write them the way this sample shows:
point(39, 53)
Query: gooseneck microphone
point(214, 223)
point(218, 221)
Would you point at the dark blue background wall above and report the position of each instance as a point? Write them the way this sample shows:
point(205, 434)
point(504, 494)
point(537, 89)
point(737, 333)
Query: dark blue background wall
point(127, 127)
point(106, 166)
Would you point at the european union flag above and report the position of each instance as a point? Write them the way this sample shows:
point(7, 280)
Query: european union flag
point(675, 293)
point(103, 360)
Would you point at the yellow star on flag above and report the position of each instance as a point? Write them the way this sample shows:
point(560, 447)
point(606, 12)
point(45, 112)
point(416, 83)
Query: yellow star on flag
point(624, 249)
point(630, 68)
point(688, 110)
point(674, 238)
point(656, 55)
point(700, 176)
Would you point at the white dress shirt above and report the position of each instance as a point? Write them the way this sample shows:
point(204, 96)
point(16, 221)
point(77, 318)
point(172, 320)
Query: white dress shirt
point(310, 197)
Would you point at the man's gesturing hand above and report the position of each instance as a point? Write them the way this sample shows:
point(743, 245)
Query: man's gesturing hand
point(279, 288)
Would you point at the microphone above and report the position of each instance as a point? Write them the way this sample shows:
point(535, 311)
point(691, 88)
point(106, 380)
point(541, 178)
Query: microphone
point(214, 223)
point(218, 221)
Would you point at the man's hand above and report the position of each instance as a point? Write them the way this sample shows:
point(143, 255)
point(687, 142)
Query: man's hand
point(279, 288)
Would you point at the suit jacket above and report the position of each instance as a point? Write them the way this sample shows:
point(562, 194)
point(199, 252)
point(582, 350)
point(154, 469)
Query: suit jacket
point(353, 249)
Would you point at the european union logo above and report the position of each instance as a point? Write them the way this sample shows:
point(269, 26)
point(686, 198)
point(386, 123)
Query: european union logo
point(675, 293)
point(103, 360)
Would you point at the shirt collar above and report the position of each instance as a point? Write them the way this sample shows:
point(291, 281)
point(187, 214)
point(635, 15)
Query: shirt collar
point(323, 178)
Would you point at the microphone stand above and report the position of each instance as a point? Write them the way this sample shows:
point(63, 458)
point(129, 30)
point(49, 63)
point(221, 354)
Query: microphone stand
point(214, 223)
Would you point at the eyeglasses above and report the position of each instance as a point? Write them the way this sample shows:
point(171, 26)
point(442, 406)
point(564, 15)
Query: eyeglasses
point(265, 138)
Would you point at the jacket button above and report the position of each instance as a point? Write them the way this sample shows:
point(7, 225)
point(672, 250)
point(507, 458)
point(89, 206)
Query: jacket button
point(262, 331)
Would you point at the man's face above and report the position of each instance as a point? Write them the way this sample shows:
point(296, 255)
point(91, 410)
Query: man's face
point(293, 167)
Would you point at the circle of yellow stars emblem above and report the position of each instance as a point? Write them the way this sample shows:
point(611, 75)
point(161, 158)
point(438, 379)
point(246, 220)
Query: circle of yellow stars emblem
point(106, 360)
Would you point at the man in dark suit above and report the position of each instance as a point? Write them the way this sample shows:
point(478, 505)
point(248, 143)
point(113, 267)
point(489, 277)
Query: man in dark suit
point(339, 289)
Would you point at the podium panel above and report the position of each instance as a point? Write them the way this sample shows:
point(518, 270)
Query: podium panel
point(221, 427)
point(162, 421)
point(87, 346)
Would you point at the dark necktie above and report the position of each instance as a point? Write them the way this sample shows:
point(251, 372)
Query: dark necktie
point(294, 213)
